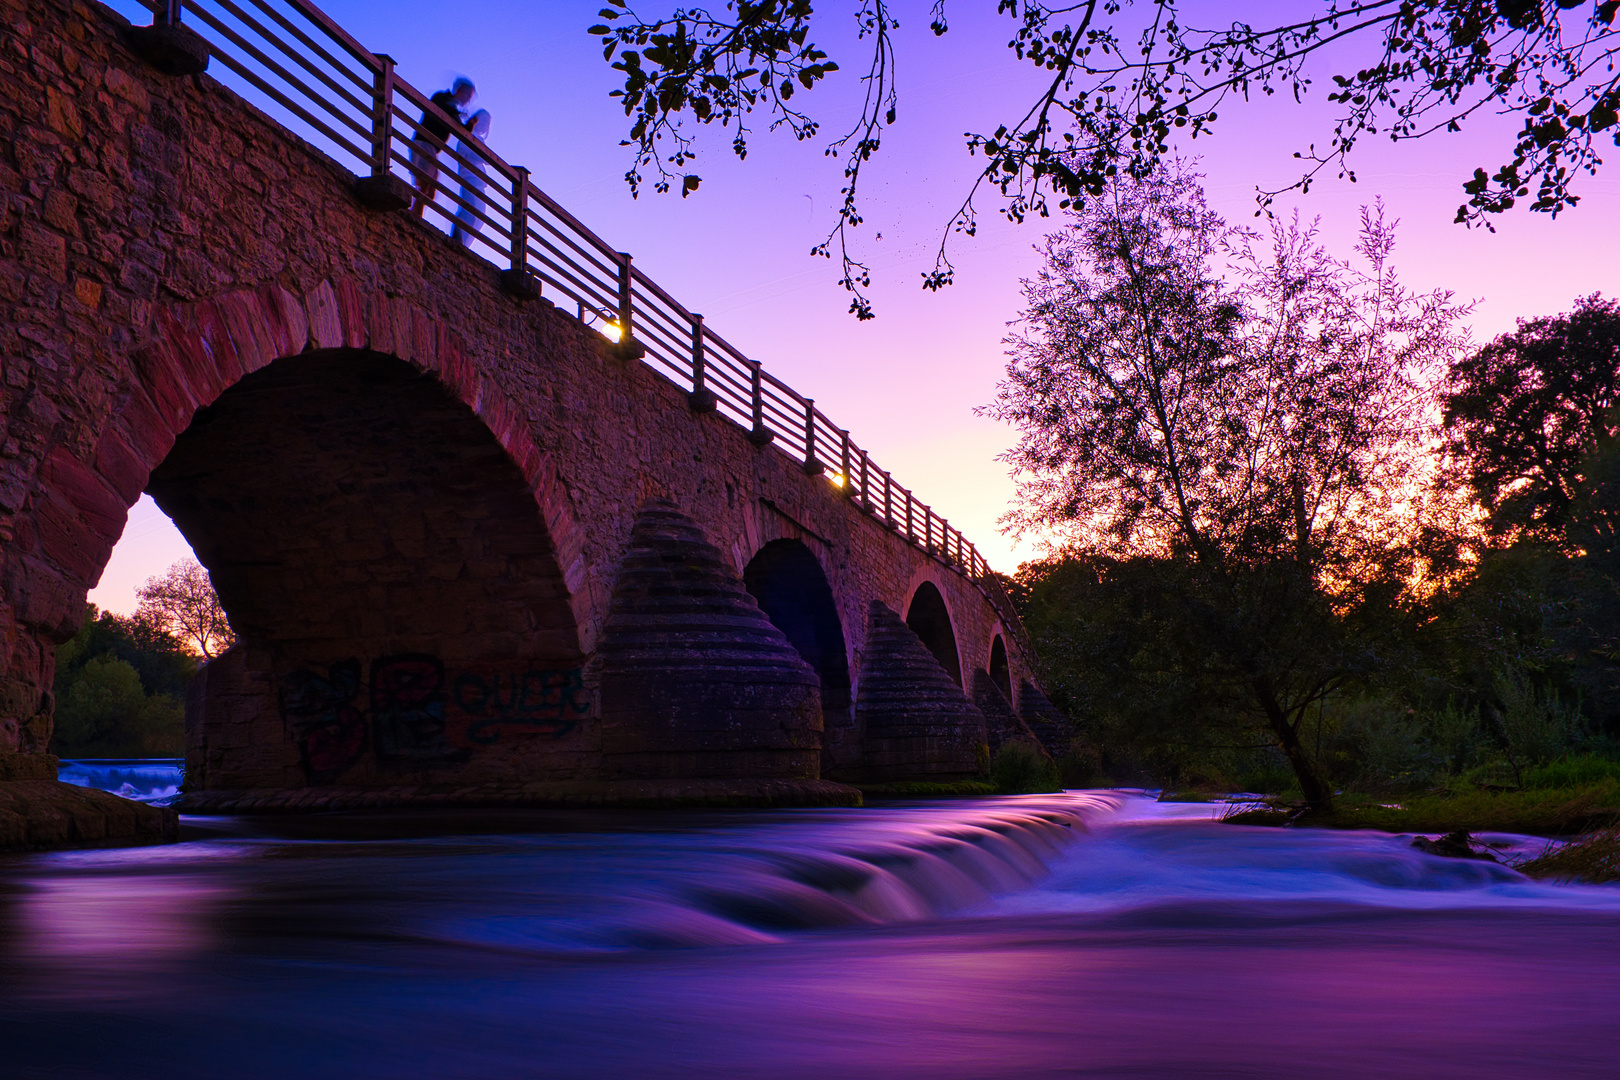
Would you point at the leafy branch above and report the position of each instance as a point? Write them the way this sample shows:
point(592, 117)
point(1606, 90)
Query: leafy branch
point(1116, 89)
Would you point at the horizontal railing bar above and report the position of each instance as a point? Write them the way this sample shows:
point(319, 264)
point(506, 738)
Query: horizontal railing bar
point(581, 291)
point(297, 110)
point(345, 92)
point(337, 33)
point(364, 83)
point(584, 272)
point(607, 268)
point(265, 61)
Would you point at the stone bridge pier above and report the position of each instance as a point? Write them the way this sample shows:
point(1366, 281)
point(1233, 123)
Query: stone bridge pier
point(472, 553)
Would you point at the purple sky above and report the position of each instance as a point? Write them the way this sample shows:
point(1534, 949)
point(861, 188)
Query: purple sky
point(906, 383)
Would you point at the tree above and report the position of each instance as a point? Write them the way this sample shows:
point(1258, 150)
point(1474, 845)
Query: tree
point(1530, 414)
point(182, 602)
point(1116, 86)
point(120, 686)
point(1260, 433)
point(106, 713)
point(163, 663)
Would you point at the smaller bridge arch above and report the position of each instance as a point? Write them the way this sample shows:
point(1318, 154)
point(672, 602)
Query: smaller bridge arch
point(1000, 671)
point(930, 620)
point(789, 584)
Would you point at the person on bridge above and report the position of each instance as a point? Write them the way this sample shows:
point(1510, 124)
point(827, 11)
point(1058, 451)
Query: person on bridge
point(470, 167)
point(433, 137)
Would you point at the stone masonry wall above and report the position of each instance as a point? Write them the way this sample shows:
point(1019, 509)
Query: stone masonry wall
point(160, 240)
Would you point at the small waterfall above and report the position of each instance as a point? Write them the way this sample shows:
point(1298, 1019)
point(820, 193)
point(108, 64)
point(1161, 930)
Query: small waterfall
point(882, 865)
point(148, 780)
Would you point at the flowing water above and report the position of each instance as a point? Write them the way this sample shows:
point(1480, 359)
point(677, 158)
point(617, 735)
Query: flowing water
point(148, 780)
point(1085, 934)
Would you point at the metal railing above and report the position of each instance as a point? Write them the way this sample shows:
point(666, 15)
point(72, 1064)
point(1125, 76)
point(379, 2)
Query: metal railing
point(324, 85)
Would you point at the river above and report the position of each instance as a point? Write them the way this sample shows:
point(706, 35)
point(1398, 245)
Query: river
point(1096, 934)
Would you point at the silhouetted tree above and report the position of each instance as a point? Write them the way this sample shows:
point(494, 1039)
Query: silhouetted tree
point(1530, 413)
point(182, 602)
point(1260, 438)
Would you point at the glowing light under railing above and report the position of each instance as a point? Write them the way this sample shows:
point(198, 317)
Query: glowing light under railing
point(610, 330)
point(836, 479)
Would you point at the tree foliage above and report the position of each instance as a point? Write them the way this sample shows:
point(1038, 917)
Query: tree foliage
point(1119, 78)
point(1254, 438)
point(120, 686)
point(182, 602)
point(1530, 415)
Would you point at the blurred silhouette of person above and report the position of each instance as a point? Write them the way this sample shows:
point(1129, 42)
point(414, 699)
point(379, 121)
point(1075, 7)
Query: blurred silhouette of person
point(434, 135)
point(473, 181)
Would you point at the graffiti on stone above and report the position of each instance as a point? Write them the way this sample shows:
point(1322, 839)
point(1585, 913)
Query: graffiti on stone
point(408, 710)
point(493, 702)
point(414, 712)
point(327, 725)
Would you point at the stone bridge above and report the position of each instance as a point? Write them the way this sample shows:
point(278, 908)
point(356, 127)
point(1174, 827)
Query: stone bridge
point(474, 551)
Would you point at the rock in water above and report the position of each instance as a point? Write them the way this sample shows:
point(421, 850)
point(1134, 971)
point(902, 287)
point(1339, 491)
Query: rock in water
point(1455, 845)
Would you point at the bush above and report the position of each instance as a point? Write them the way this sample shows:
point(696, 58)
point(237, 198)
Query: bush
point(107, 713)
point(1572, 772)
point(1080, 766)
point(1022, 768)
point(1534, 725)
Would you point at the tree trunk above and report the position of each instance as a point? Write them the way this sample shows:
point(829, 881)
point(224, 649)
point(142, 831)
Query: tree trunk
point(1318, 796)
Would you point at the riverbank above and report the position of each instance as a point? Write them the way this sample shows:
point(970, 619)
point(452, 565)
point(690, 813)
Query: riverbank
point(1559, 811)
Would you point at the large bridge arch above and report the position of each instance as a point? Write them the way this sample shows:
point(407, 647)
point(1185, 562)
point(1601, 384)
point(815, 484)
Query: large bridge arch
point(379, 523)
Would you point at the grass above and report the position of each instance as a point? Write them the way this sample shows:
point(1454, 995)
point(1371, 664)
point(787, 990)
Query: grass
point(1573, 772)
point(1546, 811)
point(1592, 859)
point(1541, 811)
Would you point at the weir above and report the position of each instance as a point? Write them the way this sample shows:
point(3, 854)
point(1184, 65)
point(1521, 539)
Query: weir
point(586, 553)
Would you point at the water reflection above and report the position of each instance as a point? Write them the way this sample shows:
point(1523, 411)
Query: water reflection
point(1040, 936)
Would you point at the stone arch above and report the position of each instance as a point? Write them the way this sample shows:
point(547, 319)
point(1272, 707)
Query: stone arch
point(788, 582)
point(194, 352)
point(211, 360)
point(930, 620)
point(998, 668)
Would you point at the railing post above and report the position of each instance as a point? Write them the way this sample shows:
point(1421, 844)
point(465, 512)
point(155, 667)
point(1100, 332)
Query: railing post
point(888, 499)
point(866, 492)
point(928, 530)
point(701, 398)
point(167, 45)
point(910, 532)
point(843, 468)
point(812, 466)
point(516, 280)
point(629, 347)
point(382, 190)
point(760, 435)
